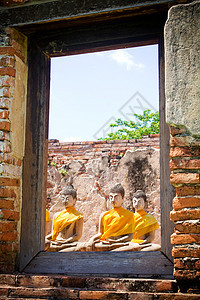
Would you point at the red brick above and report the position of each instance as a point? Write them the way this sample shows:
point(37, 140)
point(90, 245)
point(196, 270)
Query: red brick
point(178, 178)
point(185, 252)
point(7, 50)
point(179, 203)
point(5, 146)
point(4, 103)
point(7, 193)
point(4, 291)
point(7, 70)
point(180, 215)
point(136, 296)
point(7, 81)
point(5, 181)
point(102, 295)
point(6, 92)
point(186, 275)
point(181, 163)
point(184, 151)
point(5, 247)
point(5, 125)
point(187, 227)
point(25, 292)
point(4, 136)
point(8, 257)
point(9, 204)
point(11, 247)
point(66, 294)
point(8, 159)
point(7, 279)
point(8, 236)
point(7, 226)
point(154, 135)
point(36, 281)
point(7, 267)
point(197, 265)
point(164, 285)
point(177, 239)
point(175, 130)
point(187, 191)
point(10, 214)
point(4, 114)
point(184, 263)
point(7, 61)
point(73, 282)
point(180, 141)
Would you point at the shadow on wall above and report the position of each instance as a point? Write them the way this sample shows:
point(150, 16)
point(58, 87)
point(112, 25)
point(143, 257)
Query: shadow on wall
point(93, 179)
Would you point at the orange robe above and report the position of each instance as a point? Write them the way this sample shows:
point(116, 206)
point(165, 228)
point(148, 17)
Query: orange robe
point(117, 221)
point(144, 223)
point(63, 219)
point(47, 216)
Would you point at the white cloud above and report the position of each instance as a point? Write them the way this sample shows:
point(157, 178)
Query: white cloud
point(72, 139)
point(122, 57)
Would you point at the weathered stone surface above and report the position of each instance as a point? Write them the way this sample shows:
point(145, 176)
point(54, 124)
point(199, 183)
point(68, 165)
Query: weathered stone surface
point(182, 44)
point(136, 170)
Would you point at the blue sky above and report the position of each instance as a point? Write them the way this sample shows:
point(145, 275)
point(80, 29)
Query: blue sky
point(88, 91)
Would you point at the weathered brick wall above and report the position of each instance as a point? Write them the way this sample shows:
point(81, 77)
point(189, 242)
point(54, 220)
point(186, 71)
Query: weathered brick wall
point(182, 31)
point(185, 176)
point(12, 48)
point(63, 153)
point(94, 167)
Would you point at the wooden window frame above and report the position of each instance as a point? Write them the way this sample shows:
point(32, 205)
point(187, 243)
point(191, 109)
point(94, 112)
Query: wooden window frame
point(76, 36)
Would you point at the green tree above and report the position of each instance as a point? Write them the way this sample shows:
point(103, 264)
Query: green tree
point(148, 123)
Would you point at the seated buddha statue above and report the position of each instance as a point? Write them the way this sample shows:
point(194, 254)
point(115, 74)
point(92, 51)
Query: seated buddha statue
point(116, 226)
point(67, 224)
point(145, 226)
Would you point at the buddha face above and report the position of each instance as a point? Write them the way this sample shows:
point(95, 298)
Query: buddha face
point(116, 199)
point(68, 200)
point(138, 203)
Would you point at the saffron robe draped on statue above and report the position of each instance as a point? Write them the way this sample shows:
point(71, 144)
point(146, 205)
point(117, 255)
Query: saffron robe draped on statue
point(63, 219)
point(144, 223)
point(117, 221)
point(47, 216)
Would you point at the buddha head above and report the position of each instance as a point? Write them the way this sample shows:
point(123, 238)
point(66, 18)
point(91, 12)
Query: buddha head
point(68, 196)
point(116, 195)
point(139, 200)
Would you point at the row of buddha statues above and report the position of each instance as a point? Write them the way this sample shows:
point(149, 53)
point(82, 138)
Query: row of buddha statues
point(119, 229)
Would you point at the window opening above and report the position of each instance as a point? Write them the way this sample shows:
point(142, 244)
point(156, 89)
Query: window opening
point(88, 93)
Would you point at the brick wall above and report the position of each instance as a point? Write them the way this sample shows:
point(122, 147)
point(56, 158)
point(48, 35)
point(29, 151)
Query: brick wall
point(12, 47)
point(94, 167)
point(185, 176)
point(63, 153)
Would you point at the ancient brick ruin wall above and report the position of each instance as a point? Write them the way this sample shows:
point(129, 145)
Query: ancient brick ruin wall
point(94, 167)
point(185, 176)
point(12, 59)
point(63, 153)
point(182, 32)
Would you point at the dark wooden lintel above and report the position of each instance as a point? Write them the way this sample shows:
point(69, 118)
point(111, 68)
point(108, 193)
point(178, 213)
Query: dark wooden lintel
point(53, 11)
point(103, 35)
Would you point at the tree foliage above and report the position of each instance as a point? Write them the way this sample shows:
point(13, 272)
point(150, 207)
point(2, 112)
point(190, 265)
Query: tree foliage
point(148, 123)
